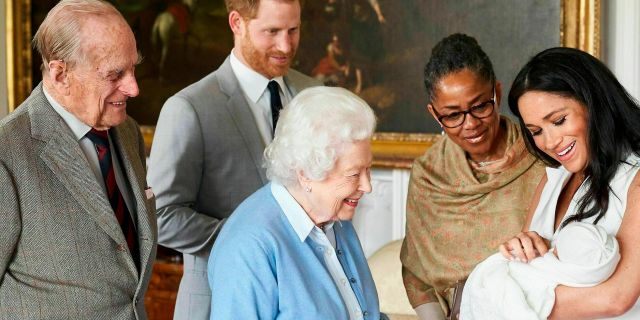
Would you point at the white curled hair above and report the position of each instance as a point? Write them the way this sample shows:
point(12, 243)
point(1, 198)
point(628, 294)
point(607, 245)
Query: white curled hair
point(312, 130)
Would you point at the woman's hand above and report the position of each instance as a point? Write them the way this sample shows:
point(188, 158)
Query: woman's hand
point(525, 246)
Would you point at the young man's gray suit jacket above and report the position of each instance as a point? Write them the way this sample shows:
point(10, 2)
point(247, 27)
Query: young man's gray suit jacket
point(62, 252)
point(206, 158)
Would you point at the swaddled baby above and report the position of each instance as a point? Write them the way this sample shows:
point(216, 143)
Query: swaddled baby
point(582, 255)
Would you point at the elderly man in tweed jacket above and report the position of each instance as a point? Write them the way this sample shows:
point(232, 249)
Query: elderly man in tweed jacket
point(77, 223)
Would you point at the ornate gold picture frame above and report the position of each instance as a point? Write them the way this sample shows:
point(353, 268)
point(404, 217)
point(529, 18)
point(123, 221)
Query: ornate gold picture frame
point(579, 28)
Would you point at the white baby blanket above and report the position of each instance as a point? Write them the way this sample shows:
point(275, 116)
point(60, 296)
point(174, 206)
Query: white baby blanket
point(502, 289)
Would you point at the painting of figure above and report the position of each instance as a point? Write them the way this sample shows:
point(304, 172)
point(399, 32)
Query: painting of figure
point(375, 48)
point(378, 48)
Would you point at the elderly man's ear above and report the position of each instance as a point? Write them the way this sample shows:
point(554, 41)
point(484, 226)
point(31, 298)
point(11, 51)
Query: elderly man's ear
point(58, 76)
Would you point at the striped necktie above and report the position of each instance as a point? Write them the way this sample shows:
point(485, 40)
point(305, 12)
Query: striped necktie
point(101, 141)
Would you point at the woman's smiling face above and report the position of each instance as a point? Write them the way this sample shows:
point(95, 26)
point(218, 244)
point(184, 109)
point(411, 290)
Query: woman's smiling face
point(461, 91)
point(558, 125)
point(336, 197)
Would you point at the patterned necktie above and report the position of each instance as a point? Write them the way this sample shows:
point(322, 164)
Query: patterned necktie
point(101, 141)
point(276, 103)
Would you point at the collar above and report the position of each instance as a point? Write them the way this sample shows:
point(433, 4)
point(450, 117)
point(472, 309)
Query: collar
point(298, 218)
point(78, 127)
point(252, 83)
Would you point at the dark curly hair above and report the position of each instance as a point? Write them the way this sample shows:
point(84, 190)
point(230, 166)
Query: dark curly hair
point(614, 117)
point(455, 53)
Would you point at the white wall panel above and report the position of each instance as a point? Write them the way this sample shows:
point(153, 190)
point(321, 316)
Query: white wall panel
point(380, 218)
point(621, 40)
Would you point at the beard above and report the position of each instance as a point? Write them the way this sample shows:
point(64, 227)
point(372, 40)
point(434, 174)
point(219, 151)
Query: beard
point(259, 60)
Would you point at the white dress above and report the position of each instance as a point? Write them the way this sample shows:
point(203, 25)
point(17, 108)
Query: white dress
point(544, 217)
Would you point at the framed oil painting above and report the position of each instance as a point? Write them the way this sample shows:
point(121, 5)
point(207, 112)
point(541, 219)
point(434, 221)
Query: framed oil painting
point(376, 48)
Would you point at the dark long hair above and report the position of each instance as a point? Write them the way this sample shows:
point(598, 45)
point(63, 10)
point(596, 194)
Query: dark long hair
point(614, 117)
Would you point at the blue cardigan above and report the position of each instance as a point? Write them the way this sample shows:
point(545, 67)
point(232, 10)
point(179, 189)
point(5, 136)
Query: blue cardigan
point(259, 268)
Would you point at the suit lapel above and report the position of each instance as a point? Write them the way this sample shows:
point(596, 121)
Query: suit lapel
point(243, 118)
point(297, 82)
point(143, 213)
point(63, 156)
point(293, 91)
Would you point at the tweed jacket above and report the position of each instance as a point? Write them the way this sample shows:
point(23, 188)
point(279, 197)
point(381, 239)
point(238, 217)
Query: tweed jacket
point(62, 252)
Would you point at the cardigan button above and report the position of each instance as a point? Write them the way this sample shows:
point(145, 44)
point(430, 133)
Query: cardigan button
point(365, 313)
point(353, 280)
point(121, 248)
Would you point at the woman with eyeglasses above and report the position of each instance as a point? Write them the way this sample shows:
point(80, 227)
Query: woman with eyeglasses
point(470, 191)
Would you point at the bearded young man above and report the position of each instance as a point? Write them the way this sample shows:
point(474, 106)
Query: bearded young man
point(207, 150)
point(77, 223)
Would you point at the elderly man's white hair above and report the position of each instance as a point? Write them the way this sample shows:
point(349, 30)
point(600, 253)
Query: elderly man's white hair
point(312, 131)
point(58, 37)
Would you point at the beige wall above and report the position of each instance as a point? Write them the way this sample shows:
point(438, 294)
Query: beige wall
point(4, 108)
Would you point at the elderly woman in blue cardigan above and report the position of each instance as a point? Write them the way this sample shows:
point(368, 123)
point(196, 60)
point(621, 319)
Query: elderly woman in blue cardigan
point(289, 251)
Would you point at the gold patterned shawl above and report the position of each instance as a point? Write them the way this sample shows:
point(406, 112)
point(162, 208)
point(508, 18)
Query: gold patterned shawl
point(454, 221)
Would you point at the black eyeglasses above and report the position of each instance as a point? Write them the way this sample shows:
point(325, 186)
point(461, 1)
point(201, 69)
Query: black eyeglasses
point(479, 111)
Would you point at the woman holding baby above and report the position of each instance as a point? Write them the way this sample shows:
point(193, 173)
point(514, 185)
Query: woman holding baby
point(583, 124)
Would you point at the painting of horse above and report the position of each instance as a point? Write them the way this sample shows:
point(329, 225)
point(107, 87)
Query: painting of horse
point(173, 22)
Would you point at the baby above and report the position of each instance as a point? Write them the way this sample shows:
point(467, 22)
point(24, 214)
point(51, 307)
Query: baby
point(583, 255)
